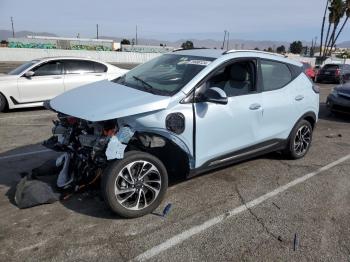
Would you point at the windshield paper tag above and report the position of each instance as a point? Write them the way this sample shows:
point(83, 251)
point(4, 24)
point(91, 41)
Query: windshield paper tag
point(198, 62)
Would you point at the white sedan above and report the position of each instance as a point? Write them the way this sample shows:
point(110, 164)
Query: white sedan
point(34, 82)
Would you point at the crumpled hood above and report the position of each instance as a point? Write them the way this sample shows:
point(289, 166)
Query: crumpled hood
point(345, 89)
point(106, 100)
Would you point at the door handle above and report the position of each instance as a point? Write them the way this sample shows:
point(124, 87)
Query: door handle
point(57, 77)
point(254, 106)
point(98, 75)
point(299, 97)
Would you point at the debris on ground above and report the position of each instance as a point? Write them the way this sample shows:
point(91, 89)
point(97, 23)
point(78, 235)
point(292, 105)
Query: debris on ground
point(295, 242)
point(166, 210)
point(31, 192)
point(333, 135)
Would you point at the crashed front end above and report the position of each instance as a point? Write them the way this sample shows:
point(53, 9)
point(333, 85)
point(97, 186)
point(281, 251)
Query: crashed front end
point(87, 147)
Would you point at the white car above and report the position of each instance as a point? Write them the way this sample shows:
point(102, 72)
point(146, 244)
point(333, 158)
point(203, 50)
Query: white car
point(34, 82)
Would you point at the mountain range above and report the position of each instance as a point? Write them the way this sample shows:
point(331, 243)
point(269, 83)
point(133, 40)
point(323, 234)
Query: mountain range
point(209, 43)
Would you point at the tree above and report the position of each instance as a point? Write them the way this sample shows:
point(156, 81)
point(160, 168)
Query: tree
point(187, 45)
point(323, 23)
point(125, 42)
point(281, 49)
point(256, 48)
point(270, 49)
point(336, 12)
point(296, 47)
point(337, 9)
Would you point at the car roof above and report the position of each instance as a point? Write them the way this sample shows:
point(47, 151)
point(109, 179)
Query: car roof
point(216, 53)
point(66, 57)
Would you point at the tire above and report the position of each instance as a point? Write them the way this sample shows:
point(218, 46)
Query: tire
point(3, 103)
point(126, 195)
point(296, 149)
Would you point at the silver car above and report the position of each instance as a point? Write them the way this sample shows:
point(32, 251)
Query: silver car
point(39, 80)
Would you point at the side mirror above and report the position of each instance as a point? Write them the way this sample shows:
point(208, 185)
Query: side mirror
point(29, 74)
point(213, 95)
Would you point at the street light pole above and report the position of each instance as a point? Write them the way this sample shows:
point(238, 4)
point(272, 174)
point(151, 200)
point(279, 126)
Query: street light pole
point(96, 31)
point(13, 29)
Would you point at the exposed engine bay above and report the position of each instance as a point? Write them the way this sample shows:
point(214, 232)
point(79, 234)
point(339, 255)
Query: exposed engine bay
point(87, 147)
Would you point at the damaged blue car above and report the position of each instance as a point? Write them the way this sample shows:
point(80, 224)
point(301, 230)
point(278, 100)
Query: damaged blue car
point(180, 114)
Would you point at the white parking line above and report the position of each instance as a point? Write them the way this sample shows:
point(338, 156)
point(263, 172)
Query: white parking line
point(179, 238)
point(12, 117)
point(25, 154)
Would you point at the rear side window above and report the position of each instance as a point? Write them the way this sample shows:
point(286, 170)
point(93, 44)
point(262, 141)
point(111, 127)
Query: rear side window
point(49, 68)
point(79, 66)
point(99, 68)
point(275, 75)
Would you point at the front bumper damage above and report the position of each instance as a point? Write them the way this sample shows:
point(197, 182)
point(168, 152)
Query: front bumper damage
point(87, 148)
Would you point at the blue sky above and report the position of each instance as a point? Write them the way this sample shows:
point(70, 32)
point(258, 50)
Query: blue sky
point(278, 20)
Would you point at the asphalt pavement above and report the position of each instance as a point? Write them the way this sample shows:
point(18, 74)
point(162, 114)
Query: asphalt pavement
point(265, 209)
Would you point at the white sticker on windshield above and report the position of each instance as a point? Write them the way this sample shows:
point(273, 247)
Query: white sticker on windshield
point(198, 62)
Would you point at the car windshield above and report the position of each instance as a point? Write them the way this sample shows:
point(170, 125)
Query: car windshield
point(23, 67)
point(166, 74)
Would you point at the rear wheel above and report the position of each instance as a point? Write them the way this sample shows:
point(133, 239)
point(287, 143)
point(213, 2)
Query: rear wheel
point(135, 185)
point(300, 140)
point(3, 103)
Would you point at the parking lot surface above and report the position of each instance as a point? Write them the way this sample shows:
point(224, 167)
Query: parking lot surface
point(265, 209)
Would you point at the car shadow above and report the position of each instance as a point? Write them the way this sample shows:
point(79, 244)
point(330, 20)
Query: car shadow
point(326, 114)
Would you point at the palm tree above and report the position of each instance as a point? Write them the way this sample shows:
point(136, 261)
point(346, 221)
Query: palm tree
point(323, 22)
point(336, 13)
point(330, 22)
point(347, 13)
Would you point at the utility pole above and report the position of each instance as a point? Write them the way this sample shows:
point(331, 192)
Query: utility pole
point(136, 36)
point(96, 31)
point(13, 29)
point(223, 43)
point(228, 40)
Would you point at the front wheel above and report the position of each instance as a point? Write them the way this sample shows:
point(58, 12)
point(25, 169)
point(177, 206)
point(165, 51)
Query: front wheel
point(300, 140)
point(135, 185)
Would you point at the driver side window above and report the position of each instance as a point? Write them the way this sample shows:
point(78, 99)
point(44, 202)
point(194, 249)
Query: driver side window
point(49, 68)
point(236, 79)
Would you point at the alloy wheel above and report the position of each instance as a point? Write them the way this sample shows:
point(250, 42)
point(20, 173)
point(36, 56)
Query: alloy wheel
point(137, 185)
point(302, 140)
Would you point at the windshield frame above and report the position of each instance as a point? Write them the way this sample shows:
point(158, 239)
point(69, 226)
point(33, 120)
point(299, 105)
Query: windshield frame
point(23, 67)
point(148, 87)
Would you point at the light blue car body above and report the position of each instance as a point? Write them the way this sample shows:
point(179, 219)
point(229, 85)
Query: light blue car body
point(217, 129)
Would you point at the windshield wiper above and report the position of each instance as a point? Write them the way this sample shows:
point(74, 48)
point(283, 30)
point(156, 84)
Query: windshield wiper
point(148, 86)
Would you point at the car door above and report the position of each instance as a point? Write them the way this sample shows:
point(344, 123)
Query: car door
point(280, 100)
point(46, 83)
point(224, 129)
point(82, 72)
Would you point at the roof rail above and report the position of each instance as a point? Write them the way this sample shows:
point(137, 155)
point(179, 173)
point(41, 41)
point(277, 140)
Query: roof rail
point(253, 51)
point(182, 49)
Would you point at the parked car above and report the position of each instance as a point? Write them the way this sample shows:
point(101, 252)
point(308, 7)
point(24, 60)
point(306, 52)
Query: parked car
point(334, 73)
point(309, 71)
point(38, 80)
point(339, 99)
point(182, 113)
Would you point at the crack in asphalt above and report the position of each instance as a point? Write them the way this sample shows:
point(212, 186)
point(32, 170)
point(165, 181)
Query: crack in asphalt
point(259, 220)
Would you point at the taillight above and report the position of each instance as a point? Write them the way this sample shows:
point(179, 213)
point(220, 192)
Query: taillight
point(337, 72)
